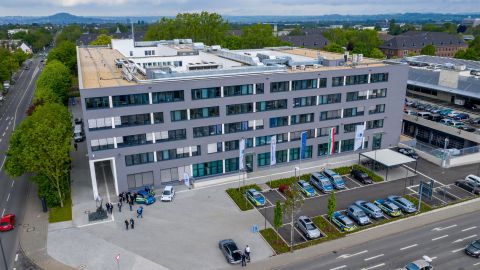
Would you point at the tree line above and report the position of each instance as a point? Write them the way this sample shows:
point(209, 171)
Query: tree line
point(10, 62)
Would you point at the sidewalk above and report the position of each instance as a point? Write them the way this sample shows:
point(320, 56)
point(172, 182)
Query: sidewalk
point(34, 232)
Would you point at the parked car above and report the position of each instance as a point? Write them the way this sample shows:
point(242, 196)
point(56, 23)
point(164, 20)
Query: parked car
point(7, 222)
point(408, 152)
point(145, 197)
point(306, 188)
point(358, 215)
point(475, 121)
point(435, 117)
point(468, 128)
point(167, 194)
point(456, 124)
point(436, 110)
point(424, 115)
point(461, 116)
point(445, 112)
point(255, 197)
point(473, 249)
point(409, 103)
point(404, 204)
point(446, 121)
point(232, 254)
point(388, 207)
point(78, 121)
point(335, 179)
point(452, 114)
point(305, 225)
point(469, 186)
point(78, 135)
point(343, 222)
point(370, 209)
point(361, 176)
point(321, 182)
point(473, 178)
point(423, 264)
point(410, 112)
point(471, 106)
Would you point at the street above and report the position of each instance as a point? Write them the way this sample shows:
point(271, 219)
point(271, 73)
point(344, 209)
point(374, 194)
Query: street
point(442, 241)
point(13, 192)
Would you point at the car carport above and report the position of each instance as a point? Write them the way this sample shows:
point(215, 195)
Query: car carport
point(388, 158)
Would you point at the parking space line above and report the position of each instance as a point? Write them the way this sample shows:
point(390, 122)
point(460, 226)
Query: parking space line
point(301, 234)
point(340, 267)
point(267, 201)
point(465, 238)
point(457, 250)
point(352, 180)
point(375, 266)
point(8, 197)
point(407, 247)
point(476, 263)
point(440, 237)
point(426, 176)
point(12, 183)
point(470, 228)
point(279, 193)
point(374, 257)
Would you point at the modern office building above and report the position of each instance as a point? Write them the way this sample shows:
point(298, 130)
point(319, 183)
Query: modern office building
point(156, 110)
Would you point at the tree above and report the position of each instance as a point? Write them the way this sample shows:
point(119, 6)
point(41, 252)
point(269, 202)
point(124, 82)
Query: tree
point(468, 54)
point(293, 203)
point(65, 52)
point(376, 53)
point(394, 29)
point(69, 33)
point(102, 40)
point(333, 47)
point(57, 78)
point(332, 205)
point(277, 217)
point(41, 145)
point(259, 36)
point(297, 31)
point(428, 50)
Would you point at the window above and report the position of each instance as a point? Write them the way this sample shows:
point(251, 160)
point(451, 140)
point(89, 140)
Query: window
point(259, 88)
point(379, 108)
point(207, 112)
point(281, 156)
point(296, 135)
point(263, 140)
point(207, 131)
point(238, 90)
point(304, 84)
point(239, 108)
point(347, 145)
point(214, 148)
point(133, 140)
point(167, 96)
point(100, 123)
point(377, 141)
point(325, 131)
point(323, 149)
point(232, 145)
point(263, 159)
point(238, 127)
point(323, 82)
point(139, 179)
point(249, 142)
point(132, 120)
point(258, 124)
point(97, 103)
point(279, 86)
point(302, 118)
point(130, 100)
point(271, 105)
point(171, 135)
point(329, 99)
point(102, 144)
point(337, 81)
point(357, 79)
point(348, 128)
point(175, 153)
point(295, 153)
point(137, 159)
point(149, 52)
point(206, 93)
point(304, 101)
point(208, 168)
point(358, 95)
point(379, 77)
point(158, 117)
point(196, 150)
point(375, 124)
point(179, 115)
point(279, 121)
point(378, 93)
point(352, 112)
point(329, 115)
point(231, 164)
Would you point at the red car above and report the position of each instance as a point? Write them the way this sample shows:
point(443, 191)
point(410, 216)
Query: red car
point(7, 222)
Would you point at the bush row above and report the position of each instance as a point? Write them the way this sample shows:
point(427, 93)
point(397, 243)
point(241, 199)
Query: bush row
point(238, 196)
point(375, 177)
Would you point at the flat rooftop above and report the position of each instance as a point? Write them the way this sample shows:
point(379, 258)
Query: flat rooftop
point(126, 62)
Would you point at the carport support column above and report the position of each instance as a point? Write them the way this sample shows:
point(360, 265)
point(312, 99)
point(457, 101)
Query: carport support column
point(93, 176)
point(386, 176)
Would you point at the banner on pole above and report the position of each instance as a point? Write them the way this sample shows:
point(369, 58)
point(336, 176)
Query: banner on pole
point(241, 165)
point(331, 141)
point(303, 145)
point(186, 179)
point(359, 134)
point(273, 149)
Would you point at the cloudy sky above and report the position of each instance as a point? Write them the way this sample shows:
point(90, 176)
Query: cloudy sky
point(231, 7)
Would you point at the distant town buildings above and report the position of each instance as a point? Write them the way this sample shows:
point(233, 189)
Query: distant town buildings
point(471, 21)
point(12, 32)
point(25, 48)
point(311, 41)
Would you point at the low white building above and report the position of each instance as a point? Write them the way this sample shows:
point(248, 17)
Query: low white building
point(12, 32)
point(25, 48)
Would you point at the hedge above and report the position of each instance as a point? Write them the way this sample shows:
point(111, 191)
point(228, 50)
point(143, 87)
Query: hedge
point(375, 177)
point(287, 181)
point(238, 196)
point(343, 170)
point(277, 243)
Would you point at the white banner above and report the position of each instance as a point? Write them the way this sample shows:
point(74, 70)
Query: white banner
point(359, 134)
point(186, 179)
point(273, 149)
point(241, 165)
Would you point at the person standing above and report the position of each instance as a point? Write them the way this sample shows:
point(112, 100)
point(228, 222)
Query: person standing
point(140, 212)
point(132, 223)
point(76, 146)
point(244, 260)
point(126, 224)
point(130, 203)
point(119, 206)
point(247, 253)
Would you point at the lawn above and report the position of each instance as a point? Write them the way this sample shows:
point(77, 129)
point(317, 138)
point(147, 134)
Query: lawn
point(277, 243)
point(238, 196)
point(59, 214)
point(423, 207)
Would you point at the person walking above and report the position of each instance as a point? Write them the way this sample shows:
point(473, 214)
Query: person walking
point(130, 203)
point(76, 146)
point(247, 253)
point(132, 223)
point(107, 205)
point(140, 212)
point(126, 224)
point(119, 204)
point(244, 260)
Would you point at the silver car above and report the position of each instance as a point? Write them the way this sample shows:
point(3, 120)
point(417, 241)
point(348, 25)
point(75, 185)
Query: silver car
point(358, 215)
point(370, 209)
point(305, 225)
point(404, 204)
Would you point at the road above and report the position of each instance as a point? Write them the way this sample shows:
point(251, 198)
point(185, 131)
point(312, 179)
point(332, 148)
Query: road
point(442, 241)
point(12, 192)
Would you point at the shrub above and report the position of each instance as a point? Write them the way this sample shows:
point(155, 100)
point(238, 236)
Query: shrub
point(375, 177)
point(343, 170)
point(238, 196)
point(287, 181)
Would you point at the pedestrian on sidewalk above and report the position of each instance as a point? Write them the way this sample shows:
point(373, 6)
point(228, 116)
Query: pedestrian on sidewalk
point(107, 205)
point(247, 253)
point(130, 203)
point(244, 260)
point(119, 206)
point(76, 146)
point(140, 212)
point(132, 223)
point(120, 197)
point(126, 224)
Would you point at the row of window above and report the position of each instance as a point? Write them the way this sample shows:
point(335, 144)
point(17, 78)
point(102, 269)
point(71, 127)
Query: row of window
point(169, 154)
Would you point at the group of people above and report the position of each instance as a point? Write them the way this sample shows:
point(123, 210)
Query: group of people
point(246, 256)
point(126, 197)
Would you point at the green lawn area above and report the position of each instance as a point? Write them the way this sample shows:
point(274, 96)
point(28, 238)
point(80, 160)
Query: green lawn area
point(238, 196)
point(59, 214)
point(423, 207)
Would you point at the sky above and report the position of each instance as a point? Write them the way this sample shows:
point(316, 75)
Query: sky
point(232, 7)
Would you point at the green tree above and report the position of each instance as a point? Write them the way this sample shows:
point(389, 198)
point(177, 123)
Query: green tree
point(69, 33)
point(394, 29)
point(376, 53)
point(277, 217)
point(293, 204)
point(259, 36)
point(41, 145)
point(102, 40)
point(65, 52)
point(297, 31)
point(468, 54)
point(232, 42)
point(332, 205)
point(57, 78)
point(428, 50)
point(333, 47)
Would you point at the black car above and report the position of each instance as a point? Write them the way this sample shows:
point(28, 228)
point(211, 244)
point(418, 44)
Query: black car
point(361, 176)
point(230, 250)
point(473, 249)
point(468, 186)
point(408, 152)
point(468, 128)
point(78, 121)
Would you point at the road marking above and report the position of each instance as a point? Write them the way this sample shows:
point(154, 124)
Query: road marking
point(375, 266)
point(3, 135)
point(470, 228)
point(374, 257)
point(441, 229)
point(407, 247)
point(8, 197)
point(3, 212)
point(465, 238)
point(7, 128)
point(433, 258)
point(440, 237)
point(16, 257)
point(476, 263)
point(344, 256)
point(12, 183)
point(340, 267)
point(457, 250)
point(96, 223)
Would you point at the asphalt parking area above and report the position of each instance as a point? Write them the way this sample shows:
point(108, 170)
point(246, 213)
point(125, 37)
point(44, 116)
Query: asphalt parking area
point(285, 233)
point(459, 192)
point(273, 196)
point(351, 183)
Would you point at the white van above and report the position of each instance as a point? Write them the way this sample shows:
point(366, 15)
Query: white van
point(78, 133)
point(473, 178)
point(424, 114)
